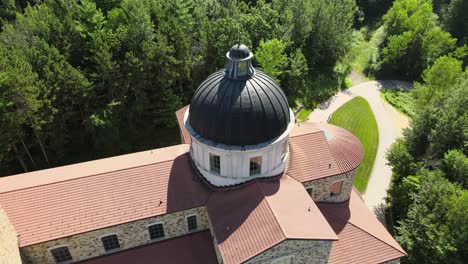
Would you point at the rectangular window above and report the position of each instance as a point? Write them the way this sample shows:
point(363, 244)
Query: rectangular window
point(284, 149)
point(110, 242)
point(192, 222)
point(336, 188)
point(255, 165)
point(215, 163)
point(156, 231)
point(61, 254)
point(310, 191)
point(242, 67)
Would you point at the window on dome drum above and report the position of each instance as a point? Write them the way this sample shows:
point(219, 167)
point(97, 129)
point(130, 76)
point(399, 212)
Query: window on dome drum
point(255, 165)
point(283, 260)
point(215, 163)
point(284, 148)
point(336, 188)
point(110, 242)
point(61, 255)
point(192, 222)
point(156, 231)
point(242, 67)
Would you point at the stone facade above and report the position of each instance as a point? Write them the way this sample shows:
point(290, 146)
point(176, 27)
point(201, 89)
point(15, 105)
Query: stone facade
point(303, 251)
point(9, 253)
point(395, 261)
point(133, 234)
point(321, 187)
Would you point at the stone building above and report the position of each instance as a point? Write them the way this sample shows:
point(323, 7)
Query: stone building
point(247, 185)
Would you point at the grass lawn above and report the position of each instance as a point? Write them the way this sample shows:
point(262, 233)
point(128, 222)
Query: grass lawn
point(357, 117)
point(303, 114)
point(400, 100)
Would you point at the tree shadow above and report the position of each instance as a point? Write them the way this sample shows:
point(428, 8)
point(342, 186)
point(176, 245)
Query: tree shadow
point(394, 85)
point(380, 213)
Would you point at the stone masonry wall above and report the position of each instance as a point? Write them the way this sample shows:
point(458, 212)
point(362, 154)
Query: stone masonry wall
point(304, 251)
point(321, 187)
point(87, 245)
point(395, 261)
point(9, 252)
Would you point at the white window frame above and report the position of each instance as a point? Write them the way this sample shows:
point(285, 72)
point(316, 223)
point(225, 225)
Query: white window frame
point(112, 250)
point(59, 246)
point(341, 190)
point(186, 221)
point(152, 224)
point(278, 260)
point(209, 163)
point(261, 166)
point(283, 155)
point(311, 192)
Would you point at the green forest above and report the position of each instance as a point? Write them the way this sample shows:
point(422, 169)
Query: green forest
point(87, 79)
point(81, 80)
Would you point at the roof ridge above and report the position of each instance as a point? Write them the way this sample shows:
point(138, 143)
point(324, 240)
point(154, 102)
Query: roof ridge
point(332, 152)
point(272, 211)
point(85, 176)
point(358, 227)
point(305, 134)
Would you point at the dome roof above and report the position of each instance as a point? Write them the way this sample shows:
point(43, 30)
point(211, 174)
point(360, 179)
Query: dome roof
point(239, 111)
point(239, 52)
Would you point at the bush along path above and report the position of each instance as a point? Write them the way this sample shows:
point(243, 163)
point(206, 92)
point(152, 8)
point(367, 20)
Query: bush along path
point(390, 125)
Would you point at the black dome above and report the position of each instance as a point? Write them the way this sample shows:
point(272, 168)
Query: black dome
point(239, 52)
point(239, 111)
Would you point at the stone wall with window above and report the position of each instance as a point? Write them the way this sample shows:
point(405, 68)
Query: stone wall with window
point(321, 189)
point(133, 234)
point(303, 251)
point(9, 253)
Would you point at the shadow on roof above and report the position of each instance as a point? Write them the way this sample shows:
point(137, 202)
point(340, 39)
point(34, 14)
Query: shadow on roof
point(185, 188)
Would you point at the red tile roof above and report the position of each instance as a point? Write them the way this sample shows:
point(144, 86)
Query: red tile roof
point(263, 217)
point(159, 183)
point(184, 134)
point(50, 204)
point(193, 248)
point(320, 150)
point(362, 238)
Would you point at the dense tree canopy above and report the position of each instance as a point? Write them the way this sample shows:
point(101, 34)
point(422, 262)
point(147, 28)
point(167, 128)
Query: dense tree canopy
point(430, 168)
point(86, 79)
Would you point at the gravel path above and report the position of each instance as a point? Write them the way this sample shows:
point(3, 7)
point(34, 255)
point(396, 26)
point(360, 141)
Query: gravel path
point(390, 123)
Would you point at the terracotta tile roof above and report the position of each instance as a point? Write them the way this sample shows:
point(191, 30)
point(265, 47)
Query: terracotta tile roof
point(80, 203)
point(362, 238)
point(346, 148)
point(320, 150)
point(184, 134)
point(90, 168)
point(263, 217)
point(193, 248)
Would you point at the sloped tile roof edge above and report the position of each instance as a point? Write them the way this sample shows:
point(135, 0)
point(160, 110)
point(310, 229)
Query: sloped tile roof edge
point(90, 168)
point(184, 134)
point(356, 193)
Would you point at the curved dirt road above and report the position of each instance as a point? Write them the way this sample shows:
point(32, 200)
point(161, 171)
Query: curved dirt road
point(390, 123)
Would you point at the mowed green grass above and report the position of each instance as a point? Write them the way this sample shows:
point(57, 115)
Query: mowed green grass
point(303, 114)
point(357, 117)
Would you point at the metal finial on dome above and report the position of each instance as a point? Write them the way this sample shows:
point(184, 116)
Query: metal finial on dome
point(240, 65)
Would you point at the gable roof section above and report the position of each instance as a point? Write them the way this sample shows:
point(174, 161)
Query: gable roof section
point(362, 238)
point(90, 168)
point(264, 217)
point(80, 203)
point(320, 150)
point(184, 134)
